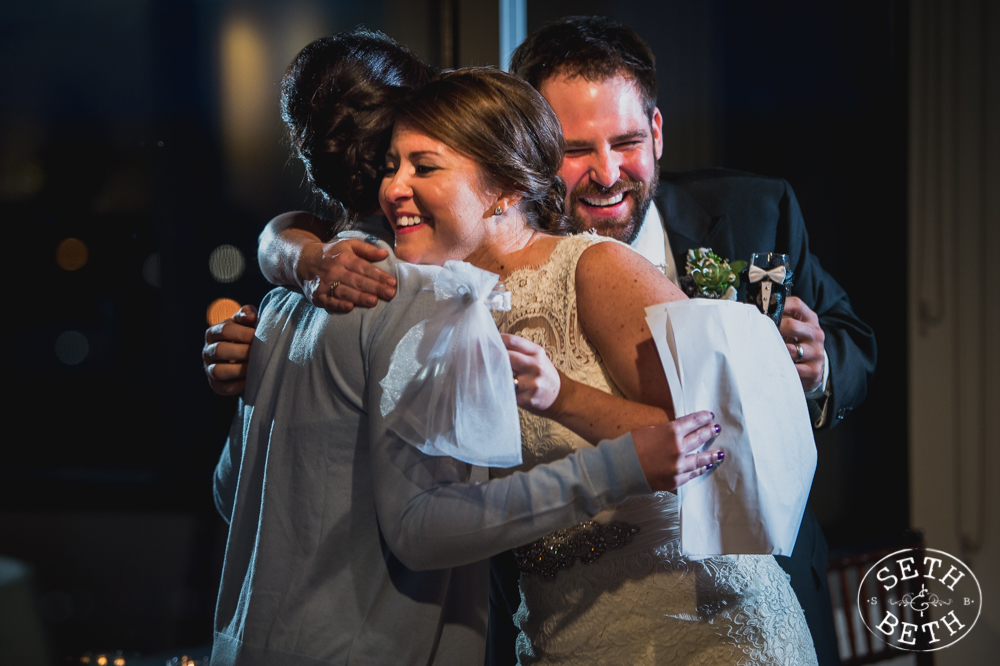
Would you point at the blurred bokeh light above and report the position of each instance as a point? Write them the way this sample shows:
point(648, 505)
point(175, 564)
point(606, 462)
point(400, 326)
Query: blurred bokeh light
point(226, 263)
point(72, 347)
point(71, 254)
point(221, 309)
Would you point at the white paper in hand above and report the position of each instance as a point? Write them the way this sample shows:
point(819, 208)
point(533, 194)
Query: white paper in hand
point(727, 358)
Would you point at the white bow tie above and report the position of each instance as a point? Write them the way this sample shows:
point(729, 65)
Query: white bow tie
point(776, 275)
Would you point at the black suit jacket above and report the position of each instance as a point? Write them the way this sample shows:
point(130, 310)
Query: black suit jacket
point(736, 214)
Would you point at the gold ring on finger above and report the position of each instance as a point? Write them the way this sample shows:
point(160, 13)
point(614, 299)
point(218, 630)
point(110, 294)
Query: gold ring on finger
point(334, 285)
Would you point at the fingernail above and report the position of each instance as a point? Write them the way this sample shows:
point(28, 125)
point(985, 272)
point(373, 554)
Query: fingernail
point(717, 428)
point(710, 467)
point(371, 302)
point(721, 456)
point(713, 415)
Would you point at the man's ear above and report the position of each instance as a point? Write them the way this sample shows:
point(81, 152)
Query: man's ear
point(656, 125)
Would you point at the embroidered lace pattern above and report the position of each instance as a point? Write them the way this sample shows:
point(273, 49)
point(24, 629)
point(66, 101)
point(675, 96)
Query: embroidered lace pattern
point(641, 602)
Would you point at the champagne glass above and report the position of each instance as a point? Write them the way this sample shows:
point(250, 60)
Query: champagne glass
point(770, 283)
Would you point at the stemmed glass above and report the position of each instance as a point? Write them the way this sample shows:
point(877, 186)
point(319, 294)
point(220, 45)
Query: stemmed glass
point(770, 282)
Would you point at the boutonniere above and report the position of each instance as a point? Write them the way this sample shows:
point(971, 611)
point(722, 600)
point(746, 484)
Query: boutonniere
point(711, 276)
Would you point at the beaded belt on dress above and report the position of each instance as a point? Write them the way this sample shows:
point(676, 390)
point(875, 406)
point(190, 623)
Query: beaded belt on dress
point(559, 550)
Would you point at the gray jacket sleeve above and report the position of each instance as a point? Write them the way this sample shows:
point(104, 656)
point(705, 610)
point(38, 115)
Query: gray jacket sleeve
point(227, 471)
point(433, 517)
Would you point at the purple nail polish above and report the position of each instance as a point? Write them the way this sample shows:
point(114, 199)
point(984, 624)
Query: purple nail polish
point(717, 428)
point(722, 456)
point(710, 467)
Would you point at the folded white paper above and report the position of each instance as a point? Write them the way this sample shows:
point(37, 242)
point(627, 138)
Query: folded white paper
point(728, 358)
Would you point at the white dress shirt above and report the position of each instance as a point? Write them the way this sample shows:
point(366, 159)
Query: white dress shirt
point(653, 244)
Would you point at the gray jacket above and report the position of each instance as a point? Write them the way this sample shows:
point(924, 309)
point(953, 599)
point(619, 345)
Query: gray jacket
point(347, 545)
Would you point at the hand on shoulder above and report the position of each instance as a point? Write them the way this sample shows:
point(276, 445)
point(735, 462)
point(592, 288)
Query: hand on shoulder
point(338, 275)
point(227, 351)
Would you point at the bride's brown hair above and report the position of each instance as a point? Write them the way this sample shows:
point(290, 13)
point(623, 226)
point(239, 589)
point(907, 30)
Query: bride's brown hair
point(505, 126)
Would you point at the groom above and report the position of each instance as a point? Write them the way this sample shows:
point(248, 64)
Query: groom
point(600, 79)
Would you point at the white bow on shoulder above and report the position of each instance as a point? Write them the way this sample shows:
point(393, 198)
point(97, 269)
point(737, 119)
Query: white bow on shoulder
point(449, 390)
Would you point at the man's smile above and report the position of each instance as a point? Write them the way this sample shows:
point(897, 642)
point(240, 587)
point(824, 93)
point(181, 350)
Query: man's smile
point(603, 201)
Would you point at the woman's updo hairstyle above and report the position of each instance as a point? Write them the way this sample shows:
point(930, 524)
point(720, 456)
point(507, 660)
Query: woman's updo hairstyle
point(337, 100)
point(504, 125)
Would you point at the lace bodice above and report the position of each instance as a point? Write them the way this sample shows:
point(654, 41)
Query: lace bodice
point(642, 603)
point(543, 310)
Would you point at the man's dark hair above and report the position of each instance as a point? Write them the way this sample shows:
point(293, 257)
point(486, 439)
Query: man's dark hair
point(593, 47)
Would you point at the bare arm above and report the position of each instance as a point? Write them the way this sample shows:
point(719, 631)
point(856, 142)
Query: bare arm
point(589, 412)
point(283, 242)
point(293, 252)
point(614, 285)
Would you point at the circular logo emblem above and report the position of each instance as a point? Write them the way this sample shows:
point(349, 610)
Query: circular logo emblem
point(919, 599)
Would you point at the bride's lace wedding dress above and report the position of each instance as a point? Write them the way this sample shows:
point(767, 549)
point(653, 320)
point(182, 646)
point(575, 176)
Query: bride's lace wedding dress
point(616, 590)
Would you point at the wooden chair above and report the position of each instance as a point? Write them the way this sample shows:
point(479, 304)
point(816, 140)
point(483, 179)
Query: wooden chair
point(857, 645)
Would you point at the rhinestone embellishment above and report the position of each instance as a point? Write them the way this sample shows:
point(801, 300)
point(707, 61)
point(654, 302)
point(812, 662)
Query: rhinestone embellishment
point(560, 550)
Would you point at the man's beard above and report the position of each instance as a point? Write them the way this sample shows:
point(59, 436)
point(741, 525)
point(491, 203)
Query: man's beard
point(623, 229)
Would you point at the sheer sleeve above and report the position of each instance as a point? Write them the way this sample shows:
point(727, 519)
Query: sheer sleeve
point(449, 378)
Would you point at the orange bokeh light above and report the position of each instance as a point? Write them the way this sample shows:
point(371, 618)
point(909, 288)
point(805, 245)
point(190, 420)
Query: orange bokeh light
point(71, 254)
point(220, 309)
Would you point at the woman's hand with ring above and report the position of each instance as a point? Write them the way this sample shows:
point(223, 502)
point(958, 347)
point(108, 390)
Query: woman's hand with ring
point(537, 382)
point(339, 275)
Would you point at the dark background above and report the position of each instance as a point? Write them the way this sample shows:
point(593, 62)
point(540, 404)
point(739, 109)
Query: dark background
point(123, 123)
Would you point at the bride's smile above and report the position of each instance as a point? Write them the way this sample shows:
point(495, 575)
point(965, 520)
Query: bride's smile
point(434, 197)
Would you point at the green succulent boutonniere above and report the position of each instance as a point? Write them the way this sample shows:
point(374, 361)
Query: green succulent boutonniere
point(711, 276)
